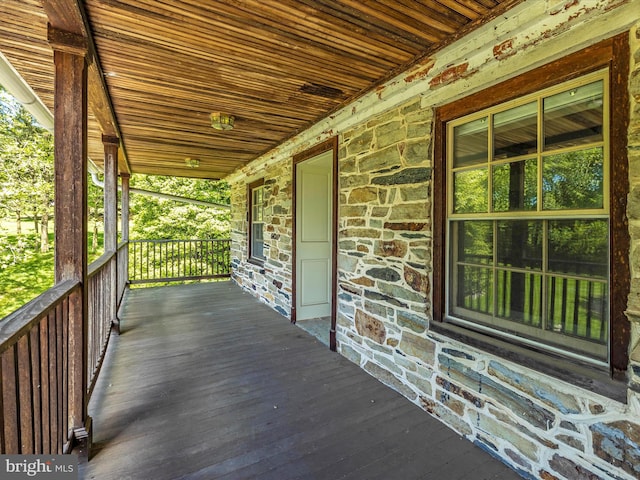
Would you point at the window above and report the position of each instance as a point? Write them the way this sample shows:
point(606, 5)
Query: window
point(256, 221)
point(531, 240)
point(528, 218)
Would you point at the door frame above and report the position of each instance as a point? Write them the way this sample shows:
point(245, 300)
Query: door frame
point(328, 145)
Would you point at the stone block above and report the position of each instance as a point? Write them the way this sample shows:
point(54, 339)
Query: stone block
point(416, 280)
point(446, 415)
point(406, 226)
point(379, 159)
point(416, 212)
point(416, 323)
point(376, 309)
point(393, 248)
point(389, 134)
point(370, 327)
point(619, 444)
point(416, 152)
point(350, 353)
point(459, 391)
point(361, 142)
point(569, 469)
point(536, 388)
point(379, 212)
point(363, 195)
point(498, 394)
point(499, 430)
point(350, 181)
point(373, 295)
point(389, 379)
point(424, 386)
point(412, 193)
point(406, 176)
point(353, 210)
point(360, 233)
point(450, 402)
point(364, 281)
point(387, 274)
point(419, 347)
point(398, 291)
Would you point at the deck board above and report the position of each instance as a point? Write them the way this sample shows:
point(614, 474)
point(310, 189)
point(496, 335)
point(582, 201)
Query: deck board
point(204, 382)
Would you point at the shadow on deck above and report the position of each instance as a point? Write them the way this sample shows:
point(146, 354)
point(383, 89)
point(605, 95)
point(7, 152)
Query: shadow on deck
point(205, 382)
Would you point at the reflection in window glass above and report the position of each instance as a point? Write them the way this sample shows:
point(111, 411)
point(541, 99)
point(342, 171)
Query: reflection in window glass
point(579, 247)
point(475, 288)
point(578, 307)
point(471, 143)
point(470, 191)
point(475, 244)
point(519, 297)
point(515, 186)
point(573, 180)
point(519, 244)
point(515, 131)
point(574, 117)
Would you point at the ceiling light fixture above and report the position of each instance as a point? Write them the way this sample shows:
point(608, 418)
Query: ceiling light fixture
point(222, 121)
point(192, 162)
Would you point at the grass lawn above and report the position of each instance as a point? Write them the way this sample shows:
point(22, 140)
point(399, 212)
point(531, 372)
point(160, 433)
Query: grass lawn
point(23, 281)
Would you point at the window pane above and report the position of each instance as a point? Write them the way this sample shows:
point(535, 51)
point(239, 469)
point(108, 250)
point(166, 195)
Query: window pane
point(475, 288)
point(574, 117)
point(578, 308)
point(515, 131)
point(475, 241)
point(257, 213)
point(470, 143)
point(573, 180)
point(257, 241)
point(579, 247)
point(519, 297)
point(515, 186)
point(257, 195)
point(470, 191)
point(519, 244)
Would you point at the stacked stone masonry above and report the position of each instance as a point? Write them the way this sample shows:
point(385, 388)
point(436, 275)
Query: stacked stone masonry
point(541, 426)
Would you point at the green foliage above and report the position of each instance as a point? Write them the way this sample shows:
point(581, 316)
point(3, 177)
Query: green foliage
point(23, 280)
point(156, 218)
point(26, 155)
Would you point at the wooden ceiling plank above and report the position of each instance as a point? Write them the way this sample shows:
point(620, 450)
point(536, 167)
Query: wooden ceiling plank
point(468, 9)
point(235, 35)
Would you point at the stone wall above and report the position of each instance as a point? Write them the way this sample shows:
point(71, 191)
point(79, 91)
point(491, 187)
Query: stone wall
point(270, 282)
point(541, 426)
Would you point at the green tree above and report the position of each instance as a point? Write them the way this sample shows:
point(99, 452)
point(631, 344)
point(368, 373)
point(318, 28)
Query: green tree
point(156, 218)
point(26, 176)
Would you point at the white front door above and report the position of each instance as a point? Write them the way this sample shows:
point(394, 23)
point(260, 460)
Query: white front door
point(313, 236)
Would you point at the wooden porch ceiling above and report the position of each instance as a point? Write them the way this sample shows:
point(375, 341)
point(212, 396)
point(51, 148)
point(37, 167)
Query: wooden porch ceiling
point(278, 66)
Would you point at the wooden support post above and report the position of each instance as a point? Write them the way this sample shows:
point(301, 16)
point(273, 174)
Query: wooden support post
point(124, 263)
point(111, 223)
point(70, 165)
point(125, 206)
point(110, 192)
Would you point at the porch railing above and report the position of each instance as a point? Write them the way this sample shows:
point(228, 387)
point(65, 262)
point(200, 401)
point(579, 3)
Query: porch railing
point(177, 260)
point(35, 348)
point(35, 367)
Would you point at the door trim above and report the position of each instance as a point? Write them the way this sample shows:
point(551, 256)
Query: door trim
point(332, 145)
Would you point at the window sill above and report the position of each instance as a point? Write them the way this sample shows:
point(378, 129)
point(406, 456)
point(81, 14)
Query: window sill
point(255, 261)
point(579, 374)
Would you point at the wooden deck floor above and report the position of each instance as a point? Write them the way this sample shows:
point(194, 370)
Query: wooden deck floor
point(207, 383)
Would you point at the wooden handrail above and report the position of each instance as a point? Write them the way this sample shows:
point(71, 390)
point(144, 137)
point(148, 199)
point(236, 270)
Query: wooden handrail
point(16, 324)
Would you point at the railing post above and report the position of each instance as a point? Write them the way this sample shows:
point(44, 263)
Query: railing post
point(70, 164)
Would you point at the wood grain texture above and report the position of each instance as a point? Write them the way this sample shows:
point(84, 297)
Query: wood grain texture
point(205, 382)
point(158, 69)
